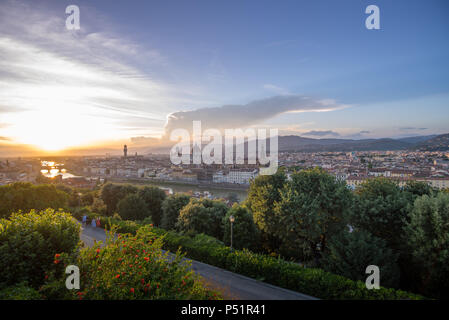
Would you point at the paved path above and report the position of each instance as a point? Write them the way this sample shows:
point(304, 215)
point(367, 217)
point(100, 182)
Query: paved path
point(233, 285)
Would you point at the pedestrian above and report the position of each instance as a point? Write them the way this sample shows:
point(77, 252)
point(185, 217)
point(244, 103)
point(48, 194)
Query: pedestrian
point(85, 220)
point(94, 224)
point(98, 223)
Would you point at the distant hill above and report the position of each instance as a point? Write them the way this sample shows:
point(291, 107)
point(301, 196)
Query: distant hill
point(301, 144)
point(296, 143)
point(438, 143)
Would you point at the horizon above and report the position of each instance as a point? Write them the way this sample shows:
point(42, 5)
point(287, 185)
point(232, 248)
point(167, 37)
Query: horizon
point(131, 74)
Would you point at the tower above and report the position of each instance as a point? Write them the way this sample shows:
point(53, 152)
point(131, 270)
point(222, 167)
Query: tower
point(125, 151)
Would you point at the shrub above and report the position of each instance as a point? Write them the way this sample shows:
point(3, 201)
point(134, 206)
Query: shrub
point(29, 242)
point(132, 207)
point(289, 275)
point(171, 208)
point(19, 291)
point(134, 267)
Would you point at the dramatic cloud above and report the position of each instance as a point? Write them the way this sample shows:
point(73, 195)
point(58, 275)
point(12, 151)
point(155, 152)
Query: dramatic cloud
point(243, 116)
point(321, 133)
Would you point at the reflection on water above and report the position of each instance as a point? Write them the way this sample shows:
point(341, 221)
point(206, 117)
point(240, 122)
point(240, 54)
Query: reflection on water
point(53, 169)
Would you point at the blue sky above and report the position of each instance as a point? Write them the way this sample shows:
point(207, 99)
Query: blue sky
point(207, 54)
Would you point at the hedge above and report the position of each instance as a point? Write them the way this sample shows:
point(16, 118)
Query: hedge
point(314, 282)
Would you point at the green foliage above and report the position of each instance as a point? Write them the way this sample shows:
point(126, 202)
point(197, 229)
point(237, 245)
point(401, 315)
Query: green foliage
point(134, 267)
point(171, 207)
point(312, 209)
point(315, 282)
point(381, 209)
point(99, 207)
point(418, 188)
point(263, 193)
point(29, 242)
point(153, 197)
point(203, 216)
point(349, 254)
point(111, 194)
point(428, 239)
point(122, 226)
point(25, 197)
point(245, 233)
point(87, 198)
point(132, 207)
point(20, 291)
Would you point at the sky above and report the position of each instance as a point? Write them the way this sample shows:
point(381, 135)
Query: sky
point(137, 69)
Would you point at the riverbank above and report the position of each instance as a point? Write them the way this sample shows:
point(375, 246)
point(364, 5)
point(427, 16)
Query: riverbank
point(217, 190)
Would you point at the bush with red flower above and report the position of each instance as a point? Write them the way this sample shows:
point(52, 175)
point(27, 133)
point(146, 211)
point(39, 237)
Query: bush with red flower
point(131, 267)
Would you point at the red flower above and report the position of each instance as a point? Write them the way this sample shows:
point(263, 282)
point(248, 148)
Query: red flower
point(147, 259)
point(131, 290)
point(56, 261)
point(117, 276)
point(57, 255)
point(46, 277)
point(98, 250)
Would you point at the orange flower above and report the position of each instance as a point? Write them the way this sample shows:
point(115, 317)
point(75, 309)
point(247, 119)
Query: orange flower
point(98, 250)
point(57, 255)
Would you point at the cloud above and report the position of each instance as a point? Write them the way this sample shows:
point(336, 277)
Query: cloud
point(412, 128)
point(252, 113)
point(4, 138)
point(321, 133)
point(364, 132)
point(89, 77)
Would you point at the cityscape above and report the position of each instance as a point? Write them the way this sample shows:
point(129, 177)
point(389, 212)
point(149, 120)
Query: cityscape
point(224, 159)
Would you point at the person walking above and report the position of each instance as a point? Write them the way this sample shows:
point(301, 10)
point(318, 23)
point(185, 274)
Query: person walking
point(94, 224)
point(85, 220)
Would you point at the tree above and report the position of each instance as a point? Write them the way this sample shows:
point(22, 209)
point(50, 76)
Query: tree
point(313, 208)
point(98, 207)
point(153, 197)
point(203, 216)
point(427, 236)
point(233, 198)
point(349, 254)
point(381, 209)
point(132, 207)
point(245, 233)
point(170, 210)
point(111, 194)
point(25, 197)
point(263, 193)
